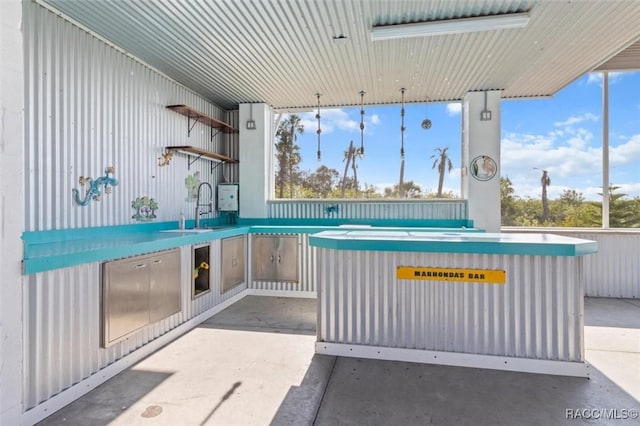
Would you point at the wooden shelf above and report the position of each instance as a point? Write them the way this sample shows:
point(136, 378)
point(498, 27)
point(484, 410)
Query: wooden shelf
point(200, 153)
point(197, 116)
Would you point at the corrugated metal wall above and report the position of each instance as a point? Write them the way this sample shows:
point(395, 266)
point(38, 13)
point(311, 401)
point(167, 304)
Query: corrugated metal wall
point(538, 313)
point(310, 209)
point(614, 271)
point(89, 106)
point(63, 324)
point(306, 270)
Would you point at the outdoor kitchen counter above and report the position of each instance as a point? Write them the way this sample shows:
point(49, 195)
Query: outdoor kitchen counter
point(499, 301)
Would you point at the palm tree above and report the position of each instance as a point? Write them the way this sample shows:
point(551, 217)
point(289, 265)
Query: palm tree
point(545, 181)
point(288, 153)
point(442, 161)
point(349, 156)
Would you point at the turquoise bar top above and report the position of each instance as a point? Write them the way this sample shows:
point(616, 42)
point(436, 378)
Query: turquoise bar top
point(453, 242)
point(55, 249)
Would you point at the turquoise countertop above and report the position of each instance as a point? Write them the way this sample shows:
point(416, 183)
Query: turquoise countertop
point(453, 242)
point(55, 249)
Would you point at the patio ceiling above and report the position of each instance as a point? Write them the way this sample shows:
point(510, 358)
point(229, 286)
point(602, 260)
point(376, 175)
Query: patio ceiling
point(283, 52)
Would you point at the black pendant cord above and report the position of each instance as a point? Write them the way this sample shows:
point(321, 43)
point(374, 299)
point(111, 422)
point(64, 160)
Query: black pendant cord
point(402, 127)
point(319, 129)
point(361, 151)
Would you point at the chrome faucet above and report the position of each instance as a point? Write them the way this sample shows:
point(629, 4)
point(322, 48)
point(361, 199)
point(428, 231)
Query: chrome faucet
point(198, 204)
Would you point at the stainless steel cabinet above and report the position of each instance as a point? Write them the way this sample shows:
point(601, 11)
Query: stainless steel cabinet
point(138, 291)
point(232, 262)
point(164, 285)
point(275, 258)
point(125, 298)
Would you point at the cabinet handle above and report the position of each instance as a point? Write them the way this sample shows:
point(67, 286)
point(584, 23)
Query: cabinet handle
point(157, 261)
point(271, 258)
point(278, 258)
point(140, 266)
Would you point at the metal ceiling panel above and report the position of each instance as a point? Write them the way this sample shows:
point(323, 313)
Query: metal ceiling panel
point(283, 52)
point(627, 60)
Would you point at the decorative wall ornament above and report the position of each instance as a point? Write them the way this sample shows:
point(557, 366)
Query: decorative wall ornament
point(360, 151)
point(192, 182)
point(96, 186)
point(483, 168)
point(165, 159)
point(426, 123)
point(319, 129)
point(331, 210)
point(145, 209)
point(402, 129)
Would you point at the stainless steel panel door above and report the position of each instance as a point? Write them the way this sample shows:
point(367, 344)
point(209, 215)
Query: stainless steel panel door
point(125, 297)
point(287, 258)
point(263, 256)
point(275, 258)
point(232, 262)
point(164, 285)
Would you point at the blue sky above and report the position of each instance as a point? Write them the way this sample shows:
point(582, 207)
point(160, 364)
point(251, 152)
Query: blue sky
point(562, 135)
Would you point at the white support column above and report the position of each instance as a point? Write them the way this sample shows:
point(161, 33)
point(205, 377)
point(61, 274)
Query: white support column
point(481, 158)
point(256, 151)
point(11, 211)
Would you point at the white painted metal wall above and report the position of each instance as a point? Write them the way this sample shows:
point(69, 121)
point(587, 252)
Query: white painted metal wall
point(89, 106)
point(614, 271)
point(538, 313)
point(362, 209)
point(62, 324)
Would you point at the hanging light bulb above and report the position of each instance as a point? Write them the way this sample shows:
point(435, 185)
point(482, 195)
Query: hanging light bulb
point(360, 151)
point(319, 129)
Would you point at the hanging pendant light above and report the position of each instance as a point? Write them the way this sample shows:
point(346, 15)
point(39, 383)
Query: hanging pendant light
point(319, 129)
point(360, 151)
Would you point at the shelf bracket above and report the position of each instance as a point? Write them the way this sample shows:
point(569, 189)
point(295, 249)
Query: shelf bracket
point(213, 168)
point(190, 161)
point(190, 126)
point(213, 135)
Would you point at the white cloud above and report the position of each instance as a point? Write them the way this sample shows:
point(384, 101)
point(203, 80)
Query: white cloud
point(575, 120)
point(521, 153)
point(625, 153)
point(596, 77)
point(454, 108)
point(333, 119)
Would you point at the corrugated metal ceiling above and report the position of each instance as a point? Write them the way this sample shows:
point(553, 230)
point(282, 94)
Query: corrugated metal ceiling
point(283, 52)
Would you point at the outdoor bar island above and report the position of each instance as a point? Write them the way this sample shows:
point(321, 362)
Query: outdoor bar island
point(487, 300)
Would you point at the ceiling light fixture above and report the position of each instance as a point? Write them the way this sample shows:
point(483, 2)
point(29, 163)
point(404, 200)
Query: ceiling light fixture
point(450, 26)
point(251, 124)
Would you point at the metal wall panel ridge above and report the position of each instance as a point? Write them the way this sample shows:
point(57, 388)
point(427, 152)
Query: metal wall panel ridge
point(88, 106)
point(537, 314)
point(614, 271)
point(358, 209)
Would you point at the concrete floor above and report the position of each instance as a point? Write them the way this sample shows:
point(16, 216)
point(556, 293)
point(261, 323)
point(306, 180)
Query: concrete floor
point(254, 364)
